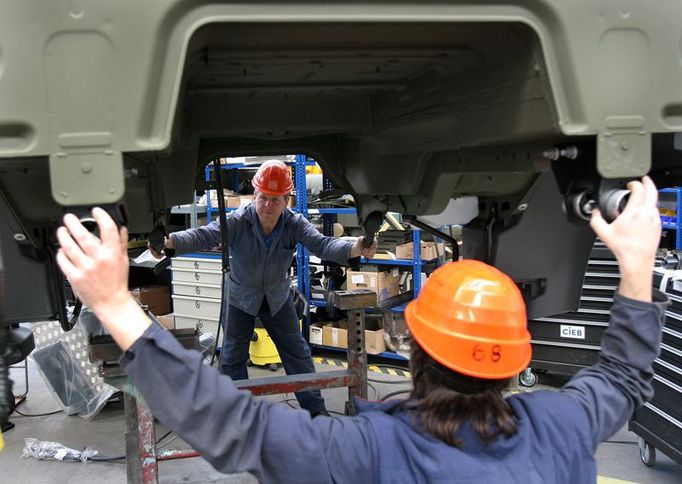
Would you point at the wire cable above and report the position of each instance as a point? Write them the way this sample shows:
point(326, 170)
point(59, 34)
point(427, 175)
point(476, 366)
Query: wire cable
point(37, 414)
point(628, 442)
point(395, 393)
point(107, 458)
point(374, 389)
point(404, 381)
point(166, 444)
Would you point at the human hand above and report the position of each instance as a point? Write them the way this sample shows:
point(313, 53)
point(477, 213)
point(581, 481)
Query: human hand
point(98, 272)
point(362, 249)
point(96, 268)
point(167, 244)
point(634, 238)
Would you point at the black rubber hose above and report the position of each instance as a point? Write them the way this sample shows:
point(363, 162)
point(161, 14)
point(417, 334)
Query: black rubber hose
point(217, 169)
point(433, 231)
point(5, 384)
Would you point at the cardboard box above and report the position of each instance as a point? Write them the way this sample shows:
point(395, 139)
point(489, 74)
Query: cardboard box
point(428, 250)
point(292, 201)
point(315, 333)
point(167, 321)
point(374, 336)
point(336, 334)
point(233, 202)
point(386, 284)
point(155, 297)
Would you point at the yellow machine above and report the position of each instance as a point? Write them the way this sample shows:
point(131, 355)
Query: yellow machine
point(262, 350)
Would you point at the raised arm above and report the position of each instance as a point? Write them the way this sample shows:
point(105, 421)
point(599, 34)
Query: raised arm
point(231, 429)
point(620, 382)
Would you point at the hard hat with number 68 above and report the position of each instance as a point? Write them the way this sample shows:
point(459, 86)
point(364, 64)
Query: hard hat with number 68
point(273, 178)
point(471, 318)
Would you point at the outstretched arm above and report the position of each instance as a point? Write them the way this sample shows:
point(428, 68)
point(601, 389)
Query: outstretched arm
point(620, 382)
point(231, 429)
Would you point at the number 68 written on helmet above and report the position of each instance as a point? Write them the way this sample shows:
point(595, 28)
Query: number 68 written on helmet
point(482, 352)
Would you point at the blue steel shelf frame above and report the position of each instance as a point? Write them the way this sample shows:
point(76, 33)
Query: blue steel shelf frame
point(235, 184)
point(678, 213)
point(302, 255)
point(329, 215)
point(328, 219)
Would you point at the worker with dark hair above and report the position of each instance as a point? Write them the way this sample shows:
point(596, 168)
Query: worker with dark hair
point(262, 238)
point(470, 337)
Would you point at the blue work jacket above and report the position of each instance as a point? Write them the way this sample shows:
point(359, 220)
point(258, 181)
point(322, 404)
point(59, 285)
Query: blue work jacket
point(257, 271)
point(558, 431)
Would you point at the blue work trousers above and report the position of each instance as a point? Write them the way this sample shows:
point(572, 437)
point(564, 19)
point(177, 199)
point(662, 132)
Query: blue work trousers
point(285, 332)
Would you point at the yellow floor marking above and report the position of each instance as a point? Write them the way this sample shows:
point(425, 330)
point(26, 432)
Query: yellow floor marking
point(611, 480)
point(372, 368)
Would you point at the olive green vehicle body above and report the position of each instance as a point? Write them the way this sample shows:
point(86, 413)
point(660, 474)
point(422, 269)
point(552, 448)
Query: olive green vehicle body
point(406, 105)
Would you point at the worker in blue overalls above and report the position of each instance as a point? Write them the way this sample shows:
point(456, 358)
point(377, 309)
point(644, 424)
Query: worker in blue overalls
point(262, 237)
point(469, 338)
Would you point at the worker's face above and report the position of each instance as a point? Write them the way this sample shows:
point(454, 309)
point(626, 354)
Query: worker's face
point(270, 207)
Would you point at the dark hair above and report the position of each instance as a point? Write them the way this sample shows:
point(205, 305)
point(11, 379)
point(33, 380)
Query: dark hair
point(442, 400)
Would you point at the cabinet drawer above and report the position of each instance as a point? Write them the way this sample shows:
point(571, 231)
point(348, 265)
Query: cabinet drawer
point(199, 307)
point(569, 332)
point(197, 264)
point(195, 276)
point(211, 291)
point(204, 325)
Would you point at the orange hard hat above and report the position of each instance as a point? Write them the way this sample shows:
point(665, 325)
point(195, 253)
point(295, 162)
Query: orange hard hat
point(273, 178)
point(471, 318)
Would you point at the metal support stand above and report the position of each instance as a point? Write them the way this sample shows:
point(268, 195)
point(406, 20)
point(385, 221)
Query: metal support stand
point(354, 302)
point(357, 357)
point(142, 454)
point(140, 442)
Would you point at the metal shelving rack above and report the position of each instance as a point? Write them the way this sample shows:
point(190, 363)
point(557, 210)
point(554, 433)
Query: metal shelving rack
point(303, 257)
point(675, 226)
point(235, 167)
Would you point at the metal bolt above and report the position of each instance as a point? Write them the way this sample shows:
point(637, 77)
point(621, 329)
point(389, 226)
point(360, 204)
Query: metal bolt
point(63, 194)
point(86, 167)
point(112, 191)
point(588, 207)
point(523, 207)
point(551, 154)
point(19, 237)
point(624, 146)
point(570, 152)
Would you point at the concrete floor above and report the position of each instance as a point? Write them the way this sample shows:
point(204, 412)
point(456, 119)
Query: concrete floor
point(618, 460)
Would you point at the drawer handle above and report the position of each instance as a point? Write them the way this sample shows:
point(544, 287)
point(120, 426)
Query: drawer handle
point(197, 304)
point(197, 290)
point(197, 276)
point(196, 265)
